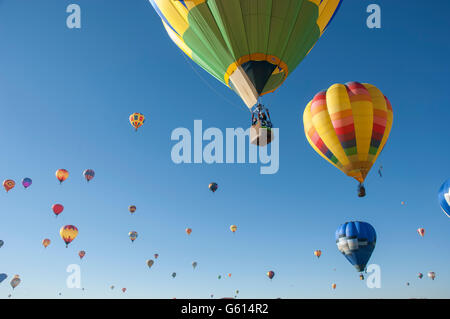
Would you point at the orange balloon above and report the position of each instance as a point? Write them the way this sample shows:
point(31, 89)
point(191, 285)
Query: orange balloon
point(233, 228)
point(333, 286)
point(318, 253)
point(8, 184)
point(62, 175)
point(188, 231)
point(46, 242)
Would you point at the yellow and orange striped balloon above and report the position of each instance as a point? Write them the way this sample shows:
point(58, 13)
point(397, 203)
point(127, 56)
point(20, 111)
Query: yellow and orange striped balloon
point(46, 242)
point(348, 125)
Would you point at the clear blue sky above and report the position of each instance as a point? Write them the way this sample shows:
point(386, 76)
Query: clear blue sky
point(65, 98)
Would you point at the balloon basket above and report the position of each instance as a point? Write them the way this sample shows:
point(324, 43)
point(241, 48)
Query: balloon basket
point(260, 135)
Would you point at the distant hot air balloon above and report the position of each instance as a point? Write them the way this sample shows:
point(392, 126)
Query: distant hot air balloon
point(212, 296)
point(270, 274)
point(57, 209)
point(150, 263)
point(8, 184)
point(68, 233)
point(237, 292)
point(194, 264)
point(89, 174)
point(403, 203)
point(444, 197)
point(46, 242)
point(133, 235)
point(112, 287)
point(233, 228)
point(1, 243)
point(124, 289)
point(156, 256)
point(333, 286)
point(407, 283)
point(229, 275)
point(361, 277)
point(356, 241)
point(219, 277)
point(15, 281)
point(62, 175)
point(318, 253)
point(213, 187)
point(348, 125)
point(81, 254)
point(421, 231)
point(420, 275)
point(137, 120)
point(432, 275)
point(3, 277)
point(174, 274)
point(188, 231)
point(26, 182)
point(132, 209)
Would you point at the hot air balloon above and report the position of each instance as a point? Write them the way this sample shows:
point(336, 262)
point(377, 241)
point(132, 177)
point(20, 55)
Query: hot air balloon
point(403, 203)
point(81, 254)
point(26, 182)
point(132, 209)
point(444, 197)
point(421, 231)
point(137, 120)
point(188, 231)
point(420, 275)
point(150, 263)
point(432, 275)
point(233, 228)
point(348, 125)
point(194, 264)
point(361, 277)
point(407, 283)
point(89, 174)
point(1, 243)
point(333, 286)
point(318, 253)
point(156, 256)
point(3, 277)
point(229, 275)
point(62, 175)
point(8, 184)
point(112, 287)
point(124, 289)
point(174, 274)
point(219, 277)
point(57, 209)
point(15, 281)
point(46, 242)
point(270, 274)
point(213, 187)
point(250, 46)
point(68, 233)
point(356, 241)
point(133, 235)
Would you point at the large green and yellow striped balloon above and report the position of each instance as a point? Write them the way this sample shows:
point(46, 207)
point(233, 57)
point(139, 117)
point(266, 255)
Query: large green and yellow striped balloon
point(249, 45)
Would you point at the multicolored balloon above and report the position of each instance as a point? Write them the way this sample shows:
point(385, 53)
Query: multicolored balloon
point(233, 228)
point(156, 256)
point(81, 254)
point(421, 231)
point(188, 231)
point(356, 241)
point(15, 281)
point(68, 233)
point(46, 242)
point(8, 184)
point(150, 263)
point(26, 182)
point(133, 235)
point(89, 174)
point(226, 39)
point(137, 120)
point(318, 253)
point(213, 187)
point(420, 275)
point(349, 125)
point(132, 209)
point(444, 197)
point(432, 275)
point(57, 209)
point(61, 175)
point(270, 274)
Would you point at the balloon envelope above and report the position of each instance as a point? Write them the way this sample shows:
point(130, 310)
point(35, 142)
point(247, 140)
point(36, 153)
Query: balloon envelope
point(89, 174)
point(270, 274)
point(356, 241)
point(150, 263)
point(137, 120)
point(1, 243)
point(26, 182)
point(8, 184)
point(57, 209)
point(68, 233)
point(213, 187)
point(3, 277)
point(133, 235)
point(62, 174)
point(444, 197)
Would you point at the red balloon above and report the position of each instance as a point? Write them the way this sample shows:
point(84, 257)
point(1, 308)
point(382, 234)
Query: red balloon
point(57, 209)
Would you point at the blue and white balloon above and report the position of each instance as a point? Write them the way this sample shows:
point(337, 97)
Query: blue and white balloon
point(444, 197)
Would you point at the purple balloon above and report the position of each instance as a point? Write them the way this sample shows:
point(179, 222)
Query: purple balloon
point(26, 182)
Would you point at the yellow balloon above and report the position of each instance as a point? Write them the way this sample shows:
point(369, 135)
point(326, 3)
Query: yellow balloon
point(68, 233)
point(349, 125)
point(233, 228)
